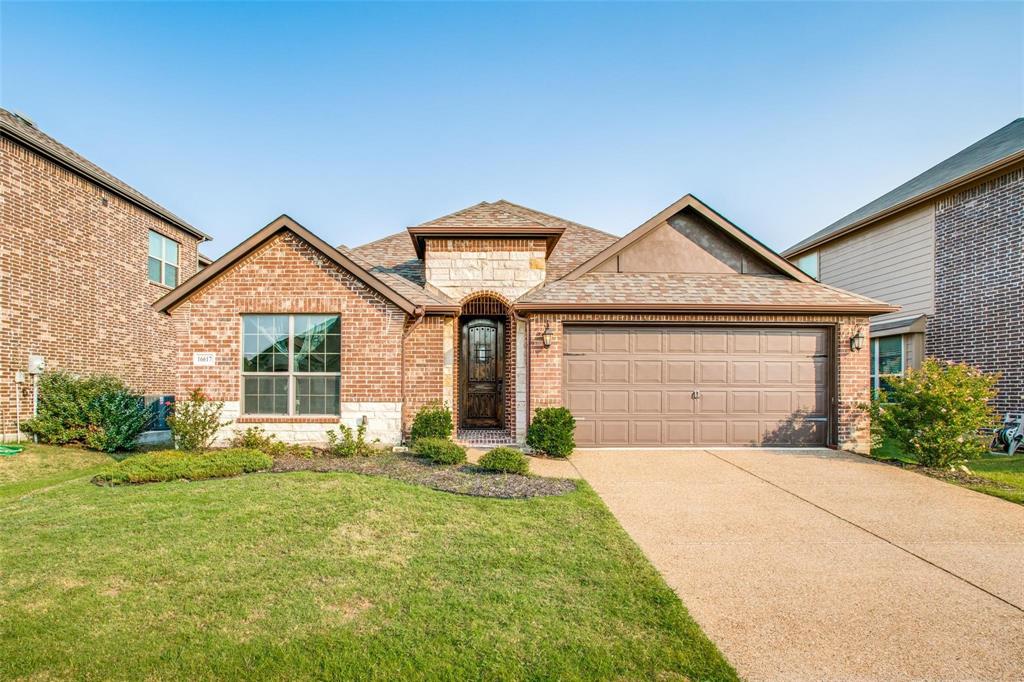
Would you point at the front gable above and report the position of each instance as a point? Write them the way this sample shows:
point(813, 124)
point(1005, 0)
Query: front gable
point(688, 237)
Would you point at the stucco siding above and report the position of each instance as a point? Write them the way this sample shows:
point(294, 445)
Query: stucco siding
point(893, 261)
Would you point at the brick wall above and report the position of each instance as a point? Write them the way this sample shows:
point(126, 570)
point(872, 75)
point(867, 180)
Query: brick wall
point(74, 286)
point(852, 381)
point(979, 283)
point(287, 276)
point(424, 365)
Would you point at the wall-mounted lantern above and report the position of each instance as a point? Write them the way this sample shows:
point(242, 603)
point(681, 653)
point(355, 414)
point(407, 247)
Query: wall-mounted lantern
point(547, 336)
point(857, 341)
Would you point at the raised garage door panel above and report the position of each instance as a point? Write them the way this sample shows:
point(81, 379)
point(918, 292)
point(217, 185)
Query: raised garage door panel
point(634, 386)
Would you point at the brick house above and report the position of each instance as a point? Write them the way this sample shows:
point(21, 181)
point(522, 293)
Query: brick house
point(948, 247)
point(687, 331)
point(82, 258)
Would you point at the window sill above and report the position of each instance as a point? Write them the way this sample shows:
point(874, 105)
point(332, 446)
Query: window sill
point(287, 419)
point(160, 285)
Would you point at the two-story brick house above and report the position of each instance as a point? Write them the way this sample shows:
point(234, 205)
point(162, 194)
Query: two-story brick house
point(685, 332)
point(948, 247)
point(82, 258)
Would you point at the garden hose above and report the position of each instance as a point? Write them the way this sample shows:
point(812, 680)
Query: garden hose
point(10, 450)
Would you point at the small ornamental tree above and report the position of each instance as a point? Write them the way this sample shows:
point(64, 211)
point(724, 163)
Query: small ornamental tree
point(936, 413)
point(195, 422)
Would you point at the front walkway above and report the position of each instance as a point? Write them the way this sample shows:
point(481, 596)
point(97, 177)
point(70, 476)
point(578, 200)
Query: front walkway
point(815, 564)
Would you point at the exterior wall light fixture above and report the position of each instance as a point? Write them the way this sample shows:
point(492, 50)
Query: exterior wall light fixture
point(547, 335)
point(857, 341)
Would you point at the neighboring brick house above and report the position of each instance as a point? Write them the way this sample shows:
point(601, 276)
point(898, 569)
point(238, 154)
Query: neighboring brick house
point(82, 258)
point(687, 331)
point(948, 247)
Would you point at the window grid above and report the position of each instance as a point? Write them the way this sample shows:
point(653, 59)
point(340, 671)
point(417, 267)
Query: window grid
point(301, 354)
point(162, 264)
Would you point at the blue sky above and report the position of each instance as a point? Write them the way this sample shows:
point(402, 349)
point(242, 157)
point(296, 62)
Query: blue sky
point(361, 119)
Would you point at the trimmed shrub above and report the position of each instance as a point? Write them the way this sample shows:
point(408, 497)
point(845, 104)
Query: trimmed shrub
point(440, 450)
point(174, 465)
point(551, 431)
point(434, 420)
point(195, 421)
point(349, 445)
point(936, 413)
point(65, 400)
point(117, 418)
point(504, 460)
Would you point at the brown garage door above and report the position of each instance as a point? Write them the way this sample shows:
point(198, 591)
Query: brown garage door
point(671, 386)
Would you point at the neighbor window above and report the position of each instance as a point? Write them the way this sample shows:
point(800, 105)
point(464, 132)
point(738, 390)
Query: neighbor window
point(886, 360)
point(163, 260)
point(291, 364)
point(808, 263)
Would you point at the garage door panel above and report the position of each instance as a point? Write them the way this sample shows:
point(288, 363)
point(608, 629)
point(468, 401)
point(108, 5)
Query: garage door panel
point(647, 432)
point(679, 432)
point(581, 401)
point(614, 372)
point(713, 372)
point(581, 372)
point(679, 402)
point(635, 385)
point(647, 371)
point(615, 402)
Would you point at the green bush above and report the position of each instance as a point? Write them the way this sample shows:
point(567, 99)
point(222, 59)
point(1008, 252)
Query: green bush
point(255, 438)
point(174, 465)
point(504, 460)
point(440, 450)
point(118, 417)
point(434, 420)
point(551, 431)
point(63, 414)
point(99, 412)
point(195, 421)
point(347, 444)
point(936, 413)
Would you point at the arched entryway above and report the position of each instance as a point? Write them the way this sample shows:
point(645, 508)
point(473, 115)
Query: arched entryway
point(485, 370)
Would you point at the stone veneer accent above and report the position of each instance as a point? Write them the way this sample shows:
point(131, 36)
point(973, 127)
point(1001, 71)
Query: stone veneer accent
point(460, 267)
point(852, 380)
point(979, 283)
point(384, 423)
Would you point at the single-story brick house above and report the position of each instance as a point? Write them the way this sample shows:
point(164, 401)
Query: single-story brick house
point(685, 332)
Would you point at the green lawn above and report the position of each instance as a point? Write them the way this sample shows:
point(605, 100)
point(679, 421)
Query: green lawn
point(1009, 471)
point(331, 576)
point(40, 466)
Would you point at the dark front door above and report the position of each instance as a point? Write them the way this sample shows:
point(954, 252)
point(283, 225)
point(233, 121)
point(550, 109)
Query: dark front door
point(483, 366)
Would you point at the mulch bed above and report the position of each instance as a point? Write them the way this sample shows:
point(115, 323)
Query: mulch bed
point(950, 475)
point(465, 479)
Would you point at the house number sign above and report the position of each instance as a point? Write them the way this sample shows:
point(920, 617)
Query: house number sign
point(204, 359)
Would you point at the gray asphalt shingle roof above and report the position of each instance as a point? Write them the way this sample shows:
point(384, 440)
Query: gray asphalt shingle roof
point(1003, 143)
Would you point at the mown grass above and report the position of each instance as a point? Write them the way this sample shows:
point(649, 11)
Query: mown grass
point(331, 576)
point(40, 466)
point(1000, 469)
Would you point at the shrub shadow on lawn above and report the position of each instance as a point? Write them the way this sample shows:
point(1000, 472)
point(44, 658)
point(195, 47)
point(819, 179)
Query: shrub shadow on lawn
point(466, 479)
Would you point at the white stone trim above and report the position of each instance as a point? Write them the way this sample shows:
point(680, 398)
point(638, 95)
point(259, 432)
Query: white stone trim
point(448, 354)
point(384, 423)
point(521, 381)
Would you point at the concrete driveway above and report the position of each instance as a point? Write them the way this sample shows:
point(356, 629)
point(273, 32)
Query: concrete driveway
point(814, 564)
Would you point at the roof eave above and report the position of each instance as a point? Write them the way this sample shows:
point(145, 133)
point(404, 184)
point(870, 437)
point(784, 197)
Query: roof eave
point(76, 167)
point(419, 233)
point(974, 176)
point(860, 309)
point(186, 289)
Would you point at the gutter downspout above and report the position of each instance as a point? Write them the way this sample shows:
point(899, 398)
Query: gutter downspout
point(420, 313)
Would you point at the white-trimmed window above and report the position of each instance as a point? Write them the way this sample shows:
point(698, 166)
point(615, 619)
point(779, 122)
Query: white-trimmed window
point(163, 260)
point(887, 359)
point(808, 263)
point(291, 364)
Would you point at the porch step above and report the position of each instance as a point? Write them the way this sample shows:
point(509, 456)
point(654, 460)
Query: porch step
point(476, 438)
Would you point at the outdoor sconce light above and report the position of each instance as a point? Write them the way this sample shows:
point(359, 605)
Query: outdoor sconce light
point(547, 335)
point(857, 341)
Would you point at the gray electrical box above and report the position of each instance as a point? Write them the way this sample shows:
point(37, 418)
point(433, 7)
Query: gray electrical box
point(36, 364)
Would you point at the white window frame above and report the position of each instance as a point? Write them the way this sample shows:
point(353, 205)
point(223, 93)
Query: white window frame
point(291, 374)
point(162, 258)
point(876, 376)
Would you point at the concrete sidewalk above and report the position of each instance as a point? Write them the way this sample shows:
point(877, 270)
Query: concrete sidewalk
point(814, 564)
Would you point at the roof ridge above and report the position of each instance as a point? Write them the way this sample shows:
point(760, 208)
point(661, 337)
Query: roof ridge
point(551, 215)
point(453, 213)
